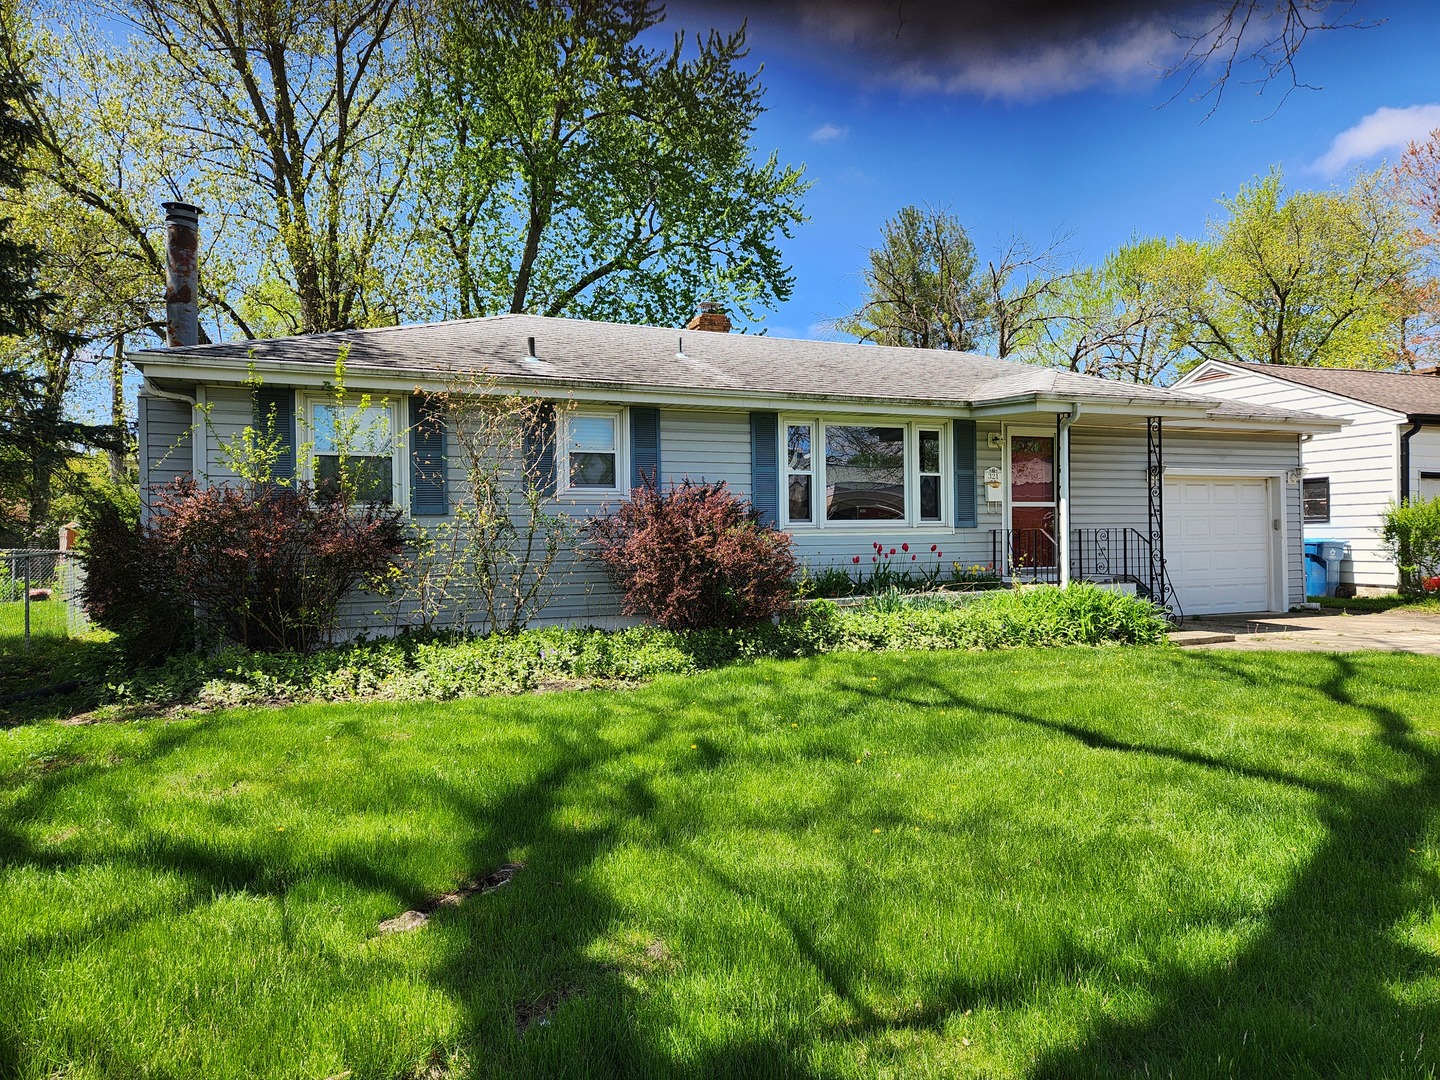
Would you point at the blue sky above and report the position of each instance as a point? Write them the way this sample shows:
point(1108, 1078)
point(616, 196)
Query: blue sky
point(1002, 142)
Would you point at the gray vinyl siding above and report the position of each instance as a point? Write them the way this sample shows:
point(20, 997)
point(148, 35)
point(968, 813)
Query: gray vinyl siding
point(707, 447)
point(166, 442)
point(1361, 461)
point(231, 411)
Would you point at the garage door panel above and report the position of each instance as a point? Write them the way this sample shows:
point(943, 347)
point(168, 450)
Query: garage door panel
point(1217, 535)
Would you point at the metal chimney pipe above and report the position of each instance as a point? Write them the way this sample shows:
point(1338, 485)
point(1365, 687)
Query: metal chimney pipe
point(182, 274)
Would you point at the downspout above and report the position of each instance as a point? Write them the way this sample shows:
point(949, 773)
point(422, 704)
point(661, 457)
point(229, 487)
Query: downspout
point(1062, 495)
point(1415, 426)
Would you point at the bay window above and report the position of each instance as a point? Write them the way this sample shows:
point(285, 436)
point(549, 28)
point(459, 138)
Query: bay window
point(841, 473)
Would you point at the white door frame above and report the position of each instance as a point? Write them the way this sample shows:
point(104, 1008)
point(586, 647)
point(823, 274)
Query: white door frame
point(1007, 433)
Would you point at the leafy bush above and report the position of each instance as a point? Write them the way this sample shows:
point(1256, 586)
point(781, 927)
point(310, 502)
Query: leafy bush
point(269, 567)
point(695, 557)
point(1411, 534)
point(130, 585)
point(443, 666)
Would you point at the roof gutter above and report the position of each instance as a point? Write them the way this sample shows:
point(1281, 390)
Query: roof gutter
point(1417, 423)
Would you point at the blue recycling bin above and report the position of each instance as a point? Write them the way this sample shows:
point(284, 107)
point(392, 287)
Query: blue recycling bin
point(1334, 552)
point(1314, 569)
point(1322, 565)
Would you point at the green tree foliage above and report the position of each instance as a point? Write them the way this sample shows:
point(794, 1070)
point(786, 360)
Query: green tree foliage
point(572, 170)
point(920, 285)
point(21, 302)
point(1313, 278)
point(1130, 317)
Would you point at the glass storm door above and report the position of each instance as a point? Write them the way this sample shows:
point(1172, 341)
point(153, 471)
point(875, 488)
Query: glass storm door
point(1032, 504)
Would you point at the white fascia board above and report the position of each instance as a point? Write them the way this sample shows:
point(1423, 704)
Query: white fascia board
point(1030, 404)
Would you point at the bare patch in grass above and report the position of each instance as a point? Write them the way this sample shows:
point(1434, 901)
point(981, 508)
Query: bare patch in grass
point(538, 1013)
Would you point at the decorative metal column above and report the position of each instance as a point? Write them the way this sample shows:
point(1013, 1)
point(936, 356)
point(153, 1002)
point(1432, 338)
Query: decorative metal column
point(1155, 458)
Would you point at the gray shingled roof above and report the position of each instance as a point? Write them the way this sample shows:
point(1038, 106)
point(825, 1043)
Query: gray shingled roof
point(1404, 392)
point(580, 352)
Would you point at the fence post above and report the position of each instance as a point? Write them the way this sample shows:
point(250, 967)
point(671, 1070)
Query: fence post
point(27, 601)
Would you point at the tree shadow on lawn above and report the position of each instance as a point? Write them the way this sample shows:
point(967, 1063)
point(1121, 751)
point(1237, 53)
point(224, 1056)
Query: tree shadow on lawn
point(566, 1010)
point(1322, 989)
point(536, 997)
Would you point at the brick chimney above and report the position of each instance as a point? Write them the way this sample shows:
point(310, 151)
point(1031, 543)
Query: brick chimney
point(710, 317)
point(182, 274)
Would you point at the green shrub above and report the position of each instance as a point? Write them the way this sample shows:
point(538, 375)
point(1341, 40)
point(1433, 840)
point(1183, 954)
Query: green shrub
point(1411, 534)
point(443, 666)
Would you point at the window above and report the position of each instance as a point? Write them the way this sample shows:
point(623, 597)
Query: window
point(801, 471)
point(355, 445)
point(864, 473)
point(1316, 494)
point(592, 452)
point(845, 473)
point(929, 475)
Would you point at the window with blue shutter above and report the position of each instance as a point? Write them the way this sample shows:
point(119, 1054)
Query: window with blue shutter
point(274, 417)
point(765, 466)
point(962, 433)
point(644, 446)
point(428, 461)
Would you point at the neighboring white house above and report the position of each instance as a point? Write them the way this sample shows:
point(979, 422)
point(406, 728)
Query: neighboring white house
point(1046, 474)
point(1388, 451)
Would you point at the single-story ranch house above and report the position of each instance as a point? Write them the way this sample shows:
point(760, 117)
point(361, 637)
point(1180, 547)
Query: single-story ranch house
point(1389, 450)
point(1047, 475)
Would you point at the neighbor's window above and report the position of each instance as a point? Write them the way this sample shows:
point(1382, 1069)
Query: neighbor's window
point(355, 445)
point(1316, 494)
point(929, 445)
point(801, 469)
point(592, 455)
point(864, 473)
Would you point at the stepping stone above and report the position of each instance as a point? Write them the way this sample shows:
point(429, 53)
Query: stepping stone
point(1198, 637)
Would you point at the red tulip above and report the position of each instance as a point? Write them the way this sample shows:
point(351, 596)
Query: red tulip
point(892, 551)
point(904, 547)
point(856, 559)
point(934, 547)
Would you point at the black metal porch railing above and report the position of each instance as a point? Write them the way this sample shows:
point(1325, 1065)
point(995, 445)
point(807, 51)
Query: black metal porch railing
point(1117, 554)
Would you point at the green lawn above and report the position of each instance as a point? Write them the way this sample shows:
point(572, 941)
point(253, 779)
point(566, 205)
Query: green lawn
point(1388, 602)
point(1072, 863)
point(47, 620)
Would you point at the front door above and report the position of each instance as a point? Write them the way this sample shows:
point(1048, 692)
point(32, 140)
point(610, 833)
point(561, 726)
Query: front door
point(1030, 464)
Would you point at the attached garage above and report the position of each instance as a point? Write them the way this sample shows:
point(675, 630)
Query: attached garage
point(1221, 545)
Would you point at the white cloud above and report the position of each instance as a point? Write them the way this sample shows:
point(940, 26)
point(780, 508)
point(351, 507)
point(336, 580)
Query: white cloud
point(828, 133)
point(1384, 129)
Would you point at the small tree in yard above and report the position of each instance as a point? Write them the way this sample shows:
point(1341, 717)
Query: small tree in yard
point(695, 557)
point(1411, 534)
point(499, 560)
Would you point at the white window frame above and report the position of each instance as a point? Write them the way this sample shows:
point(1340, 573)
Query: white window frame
point(399, 440)
point(620, 417)
point(818, 482)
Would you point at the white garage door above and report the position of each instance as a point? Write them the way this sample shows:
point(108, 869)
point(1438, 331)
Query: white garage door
point(1217, 543)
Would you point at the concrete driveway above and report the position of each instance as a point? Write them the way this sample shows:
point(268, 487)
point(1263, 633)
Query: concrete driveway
point(1311, 631)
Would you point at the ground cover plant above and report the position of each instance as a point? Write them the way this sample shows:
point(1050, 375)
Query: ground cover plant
point(1058, 863)
point(444, 666)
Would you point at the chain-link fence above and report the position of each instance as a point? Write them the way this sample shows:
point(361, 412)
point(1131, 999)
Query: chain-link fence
point(40, 593)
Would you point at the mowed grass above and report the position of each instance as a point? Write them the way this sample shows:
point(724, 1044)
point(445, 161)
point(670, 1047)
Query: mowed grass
point(1066, 863)
point(48, 619)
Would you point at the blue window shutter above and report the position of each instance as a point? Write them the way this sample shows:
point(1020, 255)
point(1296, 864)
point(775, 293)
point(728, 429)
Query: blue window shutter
point(963, 433)
point(539, 448)
point(644, 446)
point(765, 466)
point(428, 461)
point(276, 405)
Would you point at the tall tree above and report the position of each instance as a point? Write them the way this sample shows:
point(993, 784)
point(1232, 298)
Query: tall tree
point(1314, 278)
point(573, 170)
point(1417, 178)
point(920, 285)
point(1130, 318)
point(1017, 285)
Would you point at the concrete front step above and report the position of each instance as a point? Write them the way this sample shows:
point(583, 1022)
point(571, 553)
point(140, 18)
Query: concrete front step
point(1199, 637)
